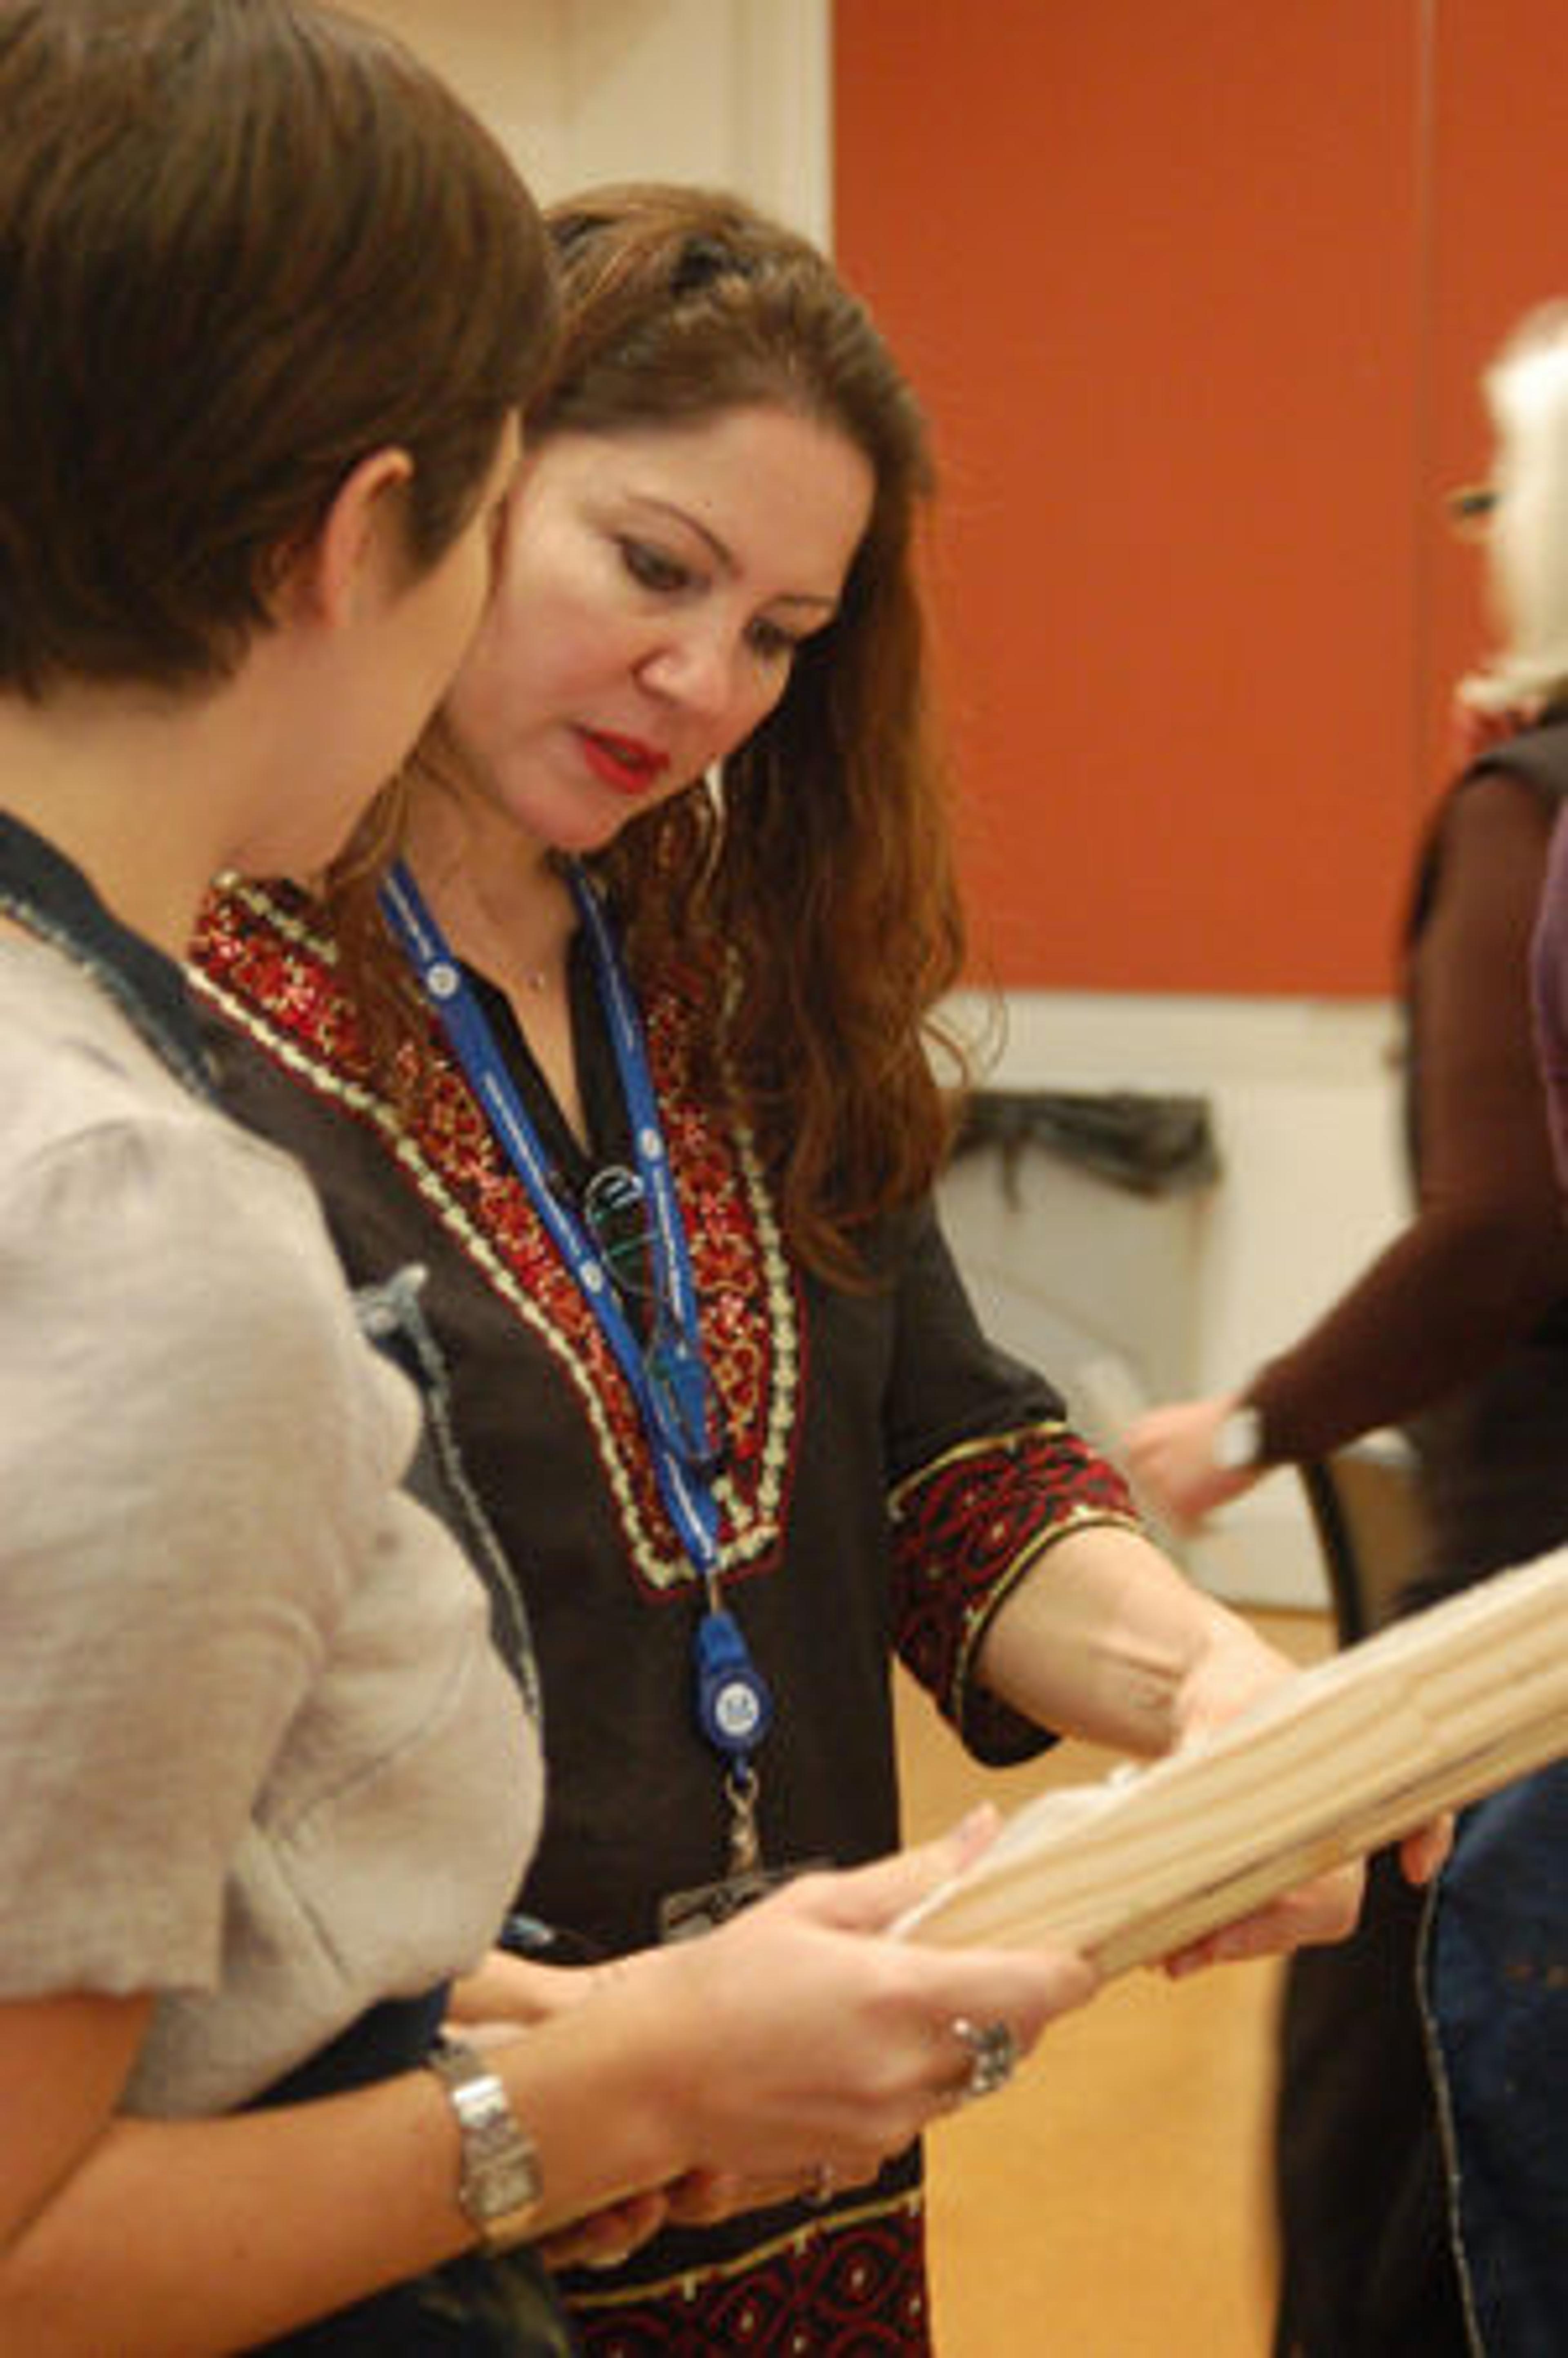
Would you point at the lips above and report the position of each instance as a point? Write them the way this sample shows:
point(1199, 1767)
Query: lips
point(625, 764)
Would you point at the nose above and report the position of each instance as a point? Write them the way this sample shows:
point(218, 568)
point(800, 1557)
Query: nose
point(697, 668)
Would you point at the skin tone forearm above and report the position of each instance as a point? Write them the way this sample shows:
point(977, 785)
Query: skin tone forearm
point(1483, 1258)
point(1106, 1639)
point(786, 2041)
point(199, 2236)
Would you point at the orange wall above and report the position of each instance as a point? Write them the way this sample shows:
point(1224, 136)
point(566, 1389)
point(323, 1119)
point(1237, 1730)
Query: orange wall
point(1195, 292)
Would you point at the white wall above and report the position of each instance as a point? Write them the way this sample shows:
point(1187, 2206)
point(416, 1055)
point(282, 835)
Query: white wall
point(1187, 1294)
point(732, 91)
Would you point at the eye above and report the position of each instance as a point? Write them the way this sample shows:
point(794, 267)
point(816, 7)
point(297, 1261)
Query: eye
point(651, 568)
point(773, 642)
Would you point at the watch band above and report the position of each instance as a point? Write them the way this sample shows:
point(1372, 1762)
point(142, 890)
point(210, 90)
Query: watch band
point(499, 2187)
point(1238, 1444)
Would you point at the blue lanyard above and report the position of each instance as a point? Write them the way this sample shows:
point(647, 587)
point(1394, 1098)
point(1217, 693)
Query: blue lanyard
point(667, 1377)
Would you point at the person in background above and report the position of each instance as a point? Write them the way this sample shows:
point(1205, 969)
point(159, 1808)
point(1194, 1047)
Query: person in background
point(621, 1028)
point(1497, 1961)
point(1458, 1332)
point(269, 301)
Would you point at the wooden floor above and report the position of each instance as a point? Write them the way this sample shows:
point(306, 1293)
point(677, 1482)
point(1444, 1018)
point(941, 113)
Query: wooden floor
point(1113, 2202)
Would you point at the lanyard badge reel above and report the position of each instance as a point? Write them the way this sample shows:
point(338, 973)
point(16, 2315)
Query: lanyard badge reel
point(668, 1375)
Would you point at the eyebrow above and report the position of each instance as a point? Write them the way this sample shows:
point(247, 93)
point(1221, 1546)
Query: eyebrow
point(724, 556)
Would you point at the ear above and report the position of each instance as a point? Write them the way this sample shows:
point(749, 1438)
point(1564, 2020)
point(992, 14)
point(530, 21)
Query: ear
point(359, 534)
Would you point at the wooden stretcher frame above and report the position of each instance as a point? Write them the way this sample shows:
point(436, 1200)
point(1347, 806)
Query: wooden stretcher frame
point(1428, 1715)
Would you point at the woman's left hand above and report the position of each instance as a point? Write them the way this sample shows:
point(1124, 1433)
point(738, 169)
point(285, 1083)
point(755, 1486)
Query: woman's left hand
point(701, 2199)
point(606, 2238)
point(1327, 1909)
point(1239, 1668)
point(1235, 1670)
point(1323, 1910)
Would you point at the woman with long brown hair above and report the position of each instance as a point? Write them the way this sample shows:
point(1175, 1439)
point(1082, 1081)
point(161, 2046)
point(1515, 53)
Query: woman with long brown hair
point(631, 1042)
point(270, 300)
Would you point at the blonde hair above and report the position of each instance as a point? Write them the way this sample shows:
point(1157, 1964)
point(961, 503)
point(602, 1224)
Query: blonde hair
point(1526, 388)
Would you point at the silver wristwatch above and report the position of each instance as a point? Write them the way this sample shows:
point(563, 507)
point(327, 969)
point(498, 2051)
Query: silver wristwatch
point(1238, 1443)
point(499, 2186)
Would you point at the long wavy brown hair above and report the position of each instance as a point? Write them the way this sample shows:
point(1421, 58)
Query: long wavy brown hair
point(809, 900)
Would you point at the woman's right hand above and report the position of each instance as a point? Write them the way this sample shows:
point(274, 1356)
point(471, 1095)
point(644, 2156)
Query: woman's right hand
point(792, 2048)
point(808, 2048)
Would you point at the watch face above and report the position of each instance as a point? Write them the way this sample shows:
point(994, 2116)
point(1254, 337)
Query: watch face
point(1238, 1440)
point(498, 2182)
point(501, 2171)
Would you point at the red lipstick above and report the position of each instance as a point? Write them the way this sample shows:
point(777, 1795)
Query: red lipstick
point(625, 764)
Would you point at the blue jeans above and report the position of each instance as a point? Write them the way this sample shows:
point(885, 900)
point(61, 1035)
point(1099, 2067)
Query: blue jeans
point(1496, 1986)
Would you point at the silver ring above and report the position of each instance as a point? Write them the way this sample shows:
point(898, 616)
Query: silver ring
point(823, 2179)
point(993, 2055)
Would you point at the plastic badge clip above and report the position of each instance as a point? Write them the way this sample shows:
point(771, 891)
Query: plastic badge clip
point(734, 1707)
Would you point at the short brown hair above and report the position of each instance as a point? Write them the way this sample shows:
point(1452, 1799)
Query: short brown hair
point(242, 244)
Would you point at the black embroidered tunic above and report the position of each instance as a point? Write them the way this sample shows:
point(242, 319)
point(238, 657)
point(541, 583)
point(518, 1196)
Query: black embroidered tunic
point(889, 1477)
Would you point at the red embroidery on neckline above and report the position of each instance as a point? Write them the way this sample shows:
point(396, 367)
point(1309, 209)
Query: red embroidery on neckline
point(260, 955)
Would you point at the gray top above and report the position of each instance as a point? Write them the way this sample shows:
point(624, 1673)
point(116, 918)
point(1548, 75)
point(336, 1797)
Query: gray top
point(258, 1751)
